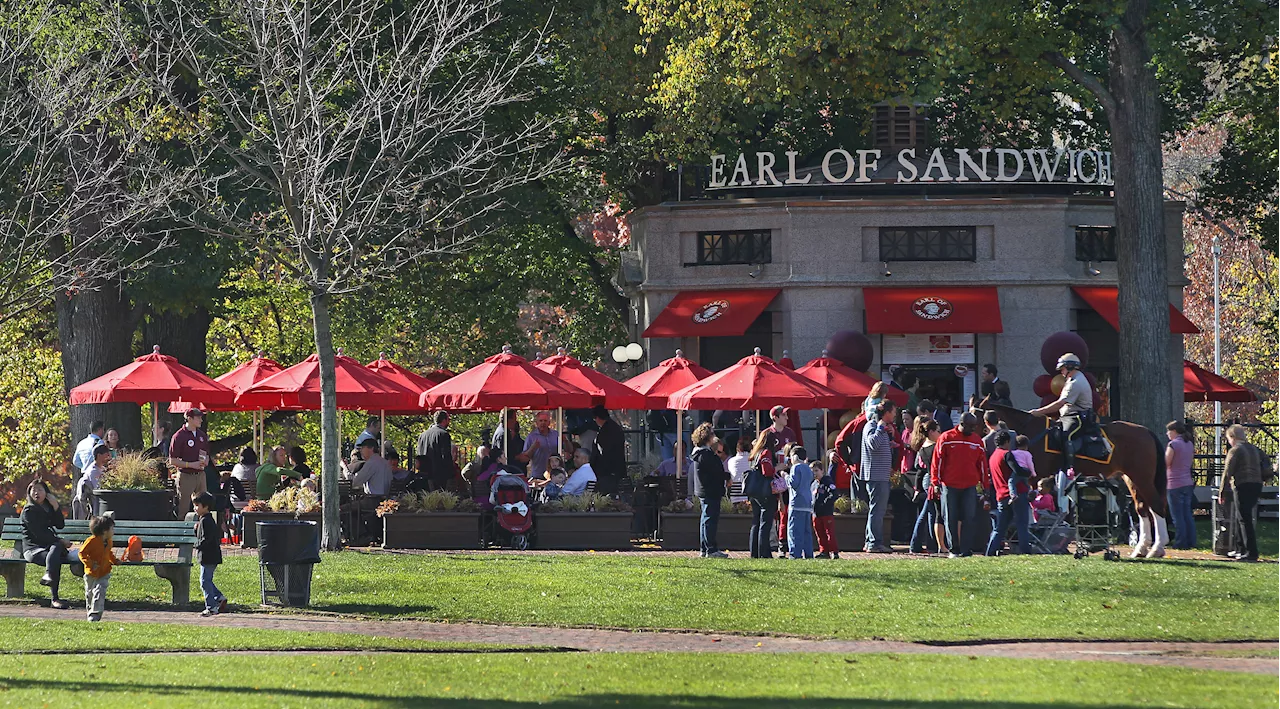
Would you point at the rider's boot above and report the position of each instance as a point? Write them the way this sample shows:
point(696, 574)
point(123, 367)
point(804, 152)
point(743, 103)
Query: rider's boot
point(1068, 455)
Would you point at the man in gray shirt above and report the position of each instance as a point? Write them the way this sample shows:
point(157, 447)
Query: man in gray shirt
point(877, 466)
point(375, 474)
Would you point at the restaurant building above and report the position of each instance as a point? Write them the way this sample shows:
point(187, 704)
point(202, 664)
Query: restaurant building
point(945, 259)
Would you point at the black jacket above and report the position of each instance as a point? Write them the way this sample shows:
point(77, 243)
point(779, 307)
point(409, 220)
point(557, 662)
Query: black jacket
point(208, 541)
point(709, 475)
point(38, 525)
point(824, 502)
point(434, 453)
point(609, 459)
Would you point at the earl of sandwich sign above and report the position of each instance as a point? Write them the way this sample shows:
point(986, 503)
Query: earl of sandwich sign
point(945, 165)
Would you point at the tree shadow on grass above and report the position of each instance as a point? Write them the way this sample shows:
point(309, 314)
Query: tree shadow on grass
point(108, 692)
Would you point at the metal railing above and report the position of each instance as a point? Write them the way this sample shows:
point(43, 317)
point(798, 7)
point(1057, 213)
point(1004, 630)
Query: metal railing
point(1207, 466)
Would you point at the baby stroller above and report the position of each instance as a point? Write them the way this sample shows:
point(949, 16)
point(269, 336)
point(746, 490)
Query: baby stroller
point(1097, 516)
point(1051, 534)
point(512, 513)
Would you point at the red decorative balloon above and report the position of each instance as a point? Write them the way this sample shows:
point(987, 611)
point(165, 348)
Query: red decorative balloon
point(1093, 381)
point(852, 348)
point(1041, 385)
point(1060, 343)
point(1046, 400)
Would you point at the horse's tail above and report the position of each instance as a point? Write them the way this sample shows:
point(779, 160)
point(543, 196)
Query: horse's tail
point(1162, 474)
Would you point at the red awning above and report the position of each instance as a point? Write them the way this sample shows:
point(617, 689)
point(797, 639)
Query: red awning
point(1106, 301)
point(1199, 384)
point(711, 313)
point(927, 311)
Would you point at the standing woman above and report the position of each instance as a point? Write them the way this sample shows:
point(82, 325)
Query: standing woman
point(929, 526)
point(41, 520)
point(1182, 487)
point(765, 507)
point(1243, 470)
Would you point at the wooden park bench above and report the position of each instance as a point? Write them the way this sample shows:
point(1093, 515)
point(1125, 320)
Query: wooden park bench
point(154, 535)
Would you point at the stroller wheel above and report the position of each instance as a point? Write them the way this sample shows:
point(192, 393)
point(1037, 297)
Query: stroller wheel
point(1080, 554)
point(1111, 555)
point(519, 542)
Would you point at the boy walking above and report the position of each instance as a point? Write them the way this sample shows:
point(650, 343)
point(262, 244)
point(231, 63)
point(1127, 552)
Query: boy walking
point(208, 553)
point(97, 557)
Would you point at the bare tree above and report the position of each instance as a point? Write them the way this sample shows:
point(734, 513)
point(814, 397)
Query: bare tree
point(358, 135)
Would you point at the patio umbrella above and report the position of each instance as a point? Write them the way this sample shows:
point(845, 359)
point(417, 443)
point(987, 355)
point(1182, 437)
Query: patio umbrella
point(504, 381)
point(604, 390)
point(672, 375)
point(1199, 384)
point(839, 377)
point(149, 379)
point(298, 387)
point(754, 383)
point(245, 375)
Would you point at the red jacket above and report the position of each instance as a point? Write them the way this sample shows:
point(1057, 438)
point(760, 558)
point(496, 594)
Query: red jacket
point(959, 461)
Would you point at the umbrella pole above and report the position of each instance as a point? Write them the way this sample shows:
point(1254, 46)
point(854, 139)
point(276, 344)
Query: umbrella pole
point(679, 456)
point(506, 435)
point(155, 422)
point(560, 432)
point(824, 433)
point(757, 423)
point(382, 431)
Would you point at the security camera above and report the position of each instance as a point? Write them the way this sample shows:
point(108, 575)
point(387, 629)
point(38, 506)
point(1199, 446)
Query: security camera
point(887, 272)
point(755, 272)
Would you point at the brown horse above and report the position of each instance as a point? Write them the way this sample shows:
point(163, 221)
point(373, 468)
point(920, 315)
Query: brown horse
point(1138, 458)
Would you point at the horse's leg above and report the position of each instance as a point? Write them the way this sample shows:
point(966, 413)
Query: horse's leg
point(1145, 518)
point(1161, 536)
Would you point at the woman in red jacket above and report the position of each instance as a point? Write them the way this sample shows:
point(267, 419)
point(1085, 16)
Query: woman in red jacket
point(959, 464)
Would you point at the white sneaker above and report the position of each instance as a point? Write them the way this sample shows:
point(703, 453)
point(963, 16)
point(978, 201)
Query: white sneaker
point(208, 612)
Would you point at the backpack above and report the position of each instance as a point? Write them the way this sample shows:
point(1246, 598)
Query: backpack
point(758, 484)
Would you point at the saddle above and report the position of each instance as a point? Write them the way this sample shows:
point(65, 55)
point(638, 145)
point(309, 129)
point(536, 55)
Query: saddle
point(1091, 441)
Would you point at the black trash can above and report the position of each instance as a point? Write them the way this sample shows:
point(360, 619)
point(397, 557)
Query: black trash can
point(288, 551)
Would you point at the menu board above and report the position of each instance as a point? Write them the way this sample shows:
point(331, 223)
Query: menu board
point(927, 349)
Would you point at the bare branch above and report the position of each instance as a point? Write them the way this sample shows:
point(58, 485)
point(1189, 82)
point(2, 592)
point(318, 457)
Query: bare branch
point(1084, 79)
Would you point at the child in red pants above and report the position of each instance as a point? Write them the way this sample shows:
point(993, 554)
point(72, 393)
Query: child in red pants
point(824, 509)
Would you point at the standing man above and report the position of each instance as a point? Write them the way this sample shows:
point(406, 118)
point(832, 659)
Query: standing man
point(609, 457)
point(372, 430)
point(508, 440)
point(434, 453)
point(1007, 484)
point(992, 421)
point(959, 464)
point(84, 449)
point(542, 443)
point(877, 466)
point(189, 453)
point(989, 379)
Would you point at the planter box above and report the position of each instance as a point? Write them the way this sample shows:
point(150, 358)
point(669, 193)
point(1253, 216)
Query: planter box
point(249, 524)
point(851, 530)
point(431, 530)
point(583, 530)
point(680, 531)
point(140, 505)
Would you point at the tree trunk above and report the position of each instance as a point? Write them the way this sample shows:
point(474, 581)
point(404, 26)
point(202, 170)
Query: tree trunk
point(180, 335)
point(1141, 249)
point(96, 334)
point(329, 453)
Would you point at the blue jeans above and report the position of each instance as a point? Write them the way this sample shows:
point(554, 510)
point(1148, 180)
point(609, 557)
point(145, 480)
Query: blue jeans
point(922, 536)
point(800, 534)
point(212, 596)
point(960, 514)
point(877, 506)
point(708, 524)
point(1011, 511)
point(762, 513)
point(1181, 503)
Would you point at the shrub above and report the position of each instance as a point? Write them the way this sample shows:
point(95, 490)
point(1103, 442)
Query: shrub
point(257, 506)
point(843, 505)
point(387, 507)
point(591, 502)
point(133, 472)
point(678, 506)
point(295, 501)
point(434, 501)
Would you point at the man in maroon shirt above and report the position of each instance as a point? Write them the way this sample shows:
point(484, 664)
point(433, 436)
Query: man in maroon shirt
point(1010, 494)
point(189, 453)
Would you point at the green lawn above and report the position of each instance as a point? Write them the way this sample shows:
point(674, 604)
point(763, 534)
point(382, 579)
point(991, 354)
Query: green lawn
point(27, 636)
point(1268, 536)
point(581, 680)
point(896, 598)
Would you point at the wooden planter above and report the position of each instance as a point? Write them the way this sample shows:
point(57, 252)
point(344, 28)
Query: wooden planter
point(583, 530)
point(851, 530)
point(139, 505)
point(680, 531)
point(249, 524)
point(431, 530)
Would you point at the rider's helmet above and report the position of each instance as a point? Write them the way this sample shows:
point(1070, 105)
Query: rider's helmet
point(1068, 360)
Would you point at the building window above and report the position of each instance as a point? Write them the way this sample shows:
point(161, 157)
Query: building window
point(956, 243)
point(1095, 243)
point(735, 247)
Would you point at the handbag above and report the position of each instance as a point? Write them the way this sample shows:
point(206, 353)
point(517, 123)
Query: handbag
point(757, 483)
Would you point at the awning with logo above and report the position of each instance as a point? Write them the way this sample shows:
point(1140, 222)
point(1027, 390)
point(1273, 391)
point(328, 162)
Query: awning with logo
point(1106, 301)
point(927, 311)
point(711, 313)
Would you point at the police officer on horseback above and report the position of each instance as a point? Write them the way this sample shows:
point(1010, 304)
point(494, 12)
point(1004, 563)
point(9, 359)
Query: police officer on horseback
point(1074, 406)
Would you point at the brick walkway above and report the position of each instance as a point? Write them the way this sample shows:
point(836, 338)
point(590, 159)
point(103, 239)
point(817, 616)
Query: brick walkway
point(1189, 655)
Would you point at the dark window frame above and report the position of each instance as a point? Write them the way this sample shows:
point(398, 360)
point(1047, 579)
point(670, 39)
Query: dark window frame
point(948, 243)
point(734, 248)
point(1096, 243)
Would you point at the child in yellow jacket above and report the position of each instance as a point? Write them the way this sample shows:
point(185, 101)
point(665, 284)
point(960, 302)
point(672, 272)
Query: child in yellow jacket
point(98, 559)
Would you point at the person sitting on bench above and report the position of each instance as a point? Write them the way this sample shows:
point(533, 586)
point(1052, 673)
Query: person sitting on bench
point(41, 518)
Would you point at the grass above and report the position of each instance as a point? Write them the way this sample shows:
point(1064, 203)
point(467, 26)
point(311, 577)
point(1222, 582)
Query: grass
point(58, 636)
point(1268, 536)
point(897, 598)
point(654, 680)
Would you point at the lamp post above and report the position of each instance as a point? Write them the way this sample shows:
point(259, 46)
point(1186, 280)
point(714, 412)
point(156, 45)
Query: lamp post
point(624, 356)
point(1217, 344)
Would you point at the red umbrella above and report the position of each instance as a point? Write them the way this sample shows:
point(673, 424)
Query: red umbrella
point(298, 387)
point(504, 381)
point(672, 375)
point(755, 383)
point(603, 389)
point(837, 376)
point(438, 376)
point(1199, 384)
point(151, 378)
point(242, 377)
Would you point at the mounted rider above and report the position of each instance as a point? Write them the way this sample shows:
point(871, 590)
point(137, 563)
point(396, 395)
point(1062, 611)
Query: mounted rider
point(1074, 407)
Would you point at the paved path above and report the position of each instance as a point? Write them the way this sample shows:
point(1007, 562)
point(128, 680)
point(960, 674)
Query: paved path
point(1190, 655)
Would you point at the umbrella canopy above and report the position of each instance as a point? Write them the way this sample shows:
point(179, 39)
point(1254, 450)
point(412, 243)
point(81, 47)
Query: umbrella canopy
point(504, 381)
point(153, 377)
point(755, 383)
point(437, 376)
point(245, 375)
point(1199, 384)
point(839, 377)
point(298, 387)
point(604, 390)
point(406, 378)
point(669, 377)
